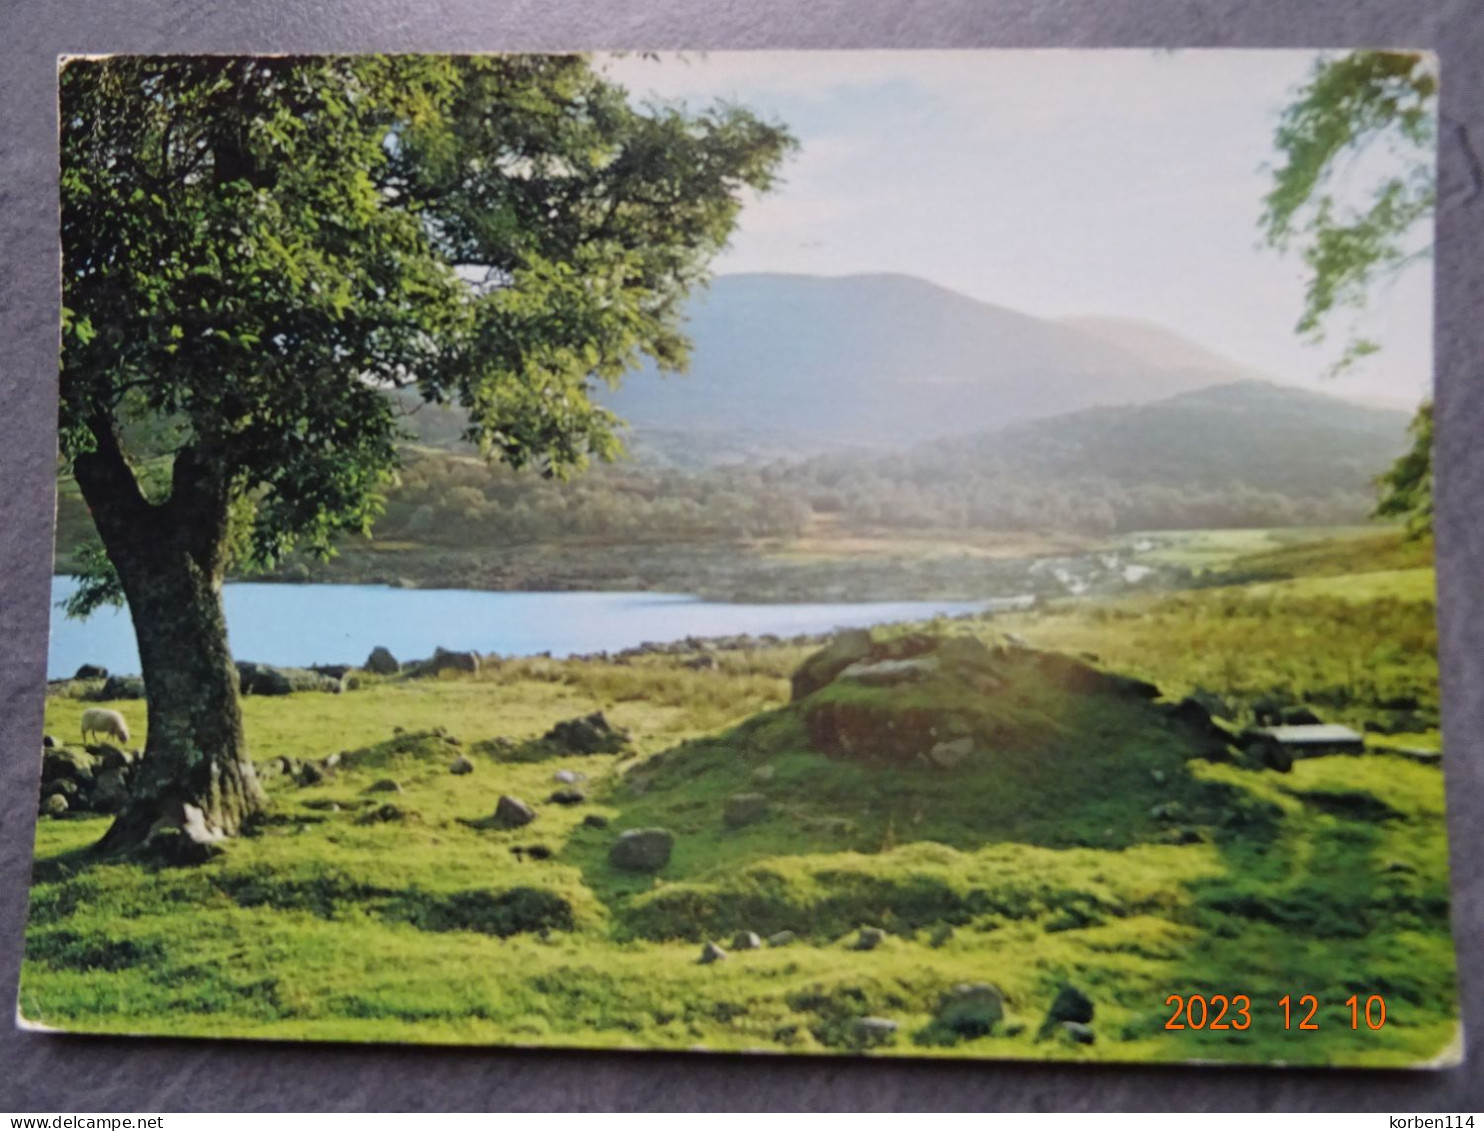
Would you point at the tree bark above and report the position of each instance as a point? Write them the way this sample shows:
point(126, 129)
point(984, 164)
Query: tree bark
point(195, 775)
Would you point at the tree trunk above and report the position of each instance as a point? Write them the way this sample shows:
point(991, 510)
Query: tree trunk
point(195, 775)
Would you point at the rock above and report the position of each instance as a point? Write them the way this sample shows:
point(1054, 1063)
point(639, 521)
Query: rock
point(703, 663)
point(595, 821)
point(1070, 1004)
point(381, 662)
point(71, 765)
point(846, 648)
point(111, 791)
point(971, 1009)
point(1077, 1033)
point(642, 850)
point(382, 814)
point(890, 673)
point(711, 953)
point(591, 734)
point(384, 785)
point(869, 938)
point(53, 805)
point(567, 796)
point(461, 765)
point(122, 687)
point(309, 774)
point(109, 757)
point(872, 1032)
point(568, 777)
point(50, 741)
point(323, 805)
point(1267, 754)
point(782, 938)
point(744, 809)
point(91, 671)
point(746, 940)
point(512, 813)
point(445, 661)
point(950, 755)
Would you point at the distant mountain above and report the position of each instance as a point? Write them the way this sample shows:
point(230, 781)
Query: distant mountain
point(890, 359)
point(1246, 453)
point(1254, 433)
point(1162, 347)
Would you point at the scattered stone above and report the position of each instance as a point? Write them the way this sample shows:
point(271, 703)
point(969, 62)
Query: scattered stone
point(91, 671)
point(71, 765)
point(951, 755)
point(122, 687)
point(890, 673)
point(872, 1032)
point(1070, 1004)
point(591, 734)
point(642, 850)
point(110, 757)
point(382, 814)
point(568, 777)
point(846, 648)
point(711, 953)
point(309, 774)
point(461, 765)
point(384, 785)
point(869, 938)
point(111, 791)
point(782, 938)
point(53, 805)
point(323, 804)
point(595, 821)
point(746, 940)
point(512, 812)
point(744, 809)
point(567, 796)
point(971, 1009)
point(445, 661)
point(1077, 1033)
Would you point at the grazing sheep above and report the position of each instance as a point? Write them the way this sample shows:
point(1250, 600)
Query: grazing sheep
point(96, 721)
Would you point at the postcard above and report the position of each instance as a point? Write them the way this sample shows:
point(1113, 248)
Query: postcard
point(895, 553)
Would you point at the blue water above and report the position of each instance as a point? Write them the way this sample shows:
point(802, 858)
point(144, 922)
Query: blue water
point(298, 625)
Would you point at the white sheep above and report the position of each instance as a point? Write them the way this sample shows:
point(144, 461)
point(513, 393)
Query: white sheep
point(97, 720)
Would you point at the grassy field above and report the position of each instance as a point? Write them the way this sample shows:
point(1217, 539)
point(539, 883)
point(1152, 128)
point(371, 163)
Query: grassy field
point(1085, 848)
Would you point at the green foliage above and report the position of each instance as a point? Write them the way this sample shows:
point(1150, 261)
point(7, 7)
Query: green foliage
point(1376, 101)
point(1407, 487)
point(1364, 102)
point(256, 248)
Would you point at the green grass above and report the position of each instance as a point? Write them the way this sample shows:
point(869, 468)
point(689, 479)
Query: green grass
point(1045, 859)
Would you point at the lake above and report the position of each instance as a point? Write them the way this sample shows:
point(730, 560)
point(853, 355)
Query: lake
point(297, 625)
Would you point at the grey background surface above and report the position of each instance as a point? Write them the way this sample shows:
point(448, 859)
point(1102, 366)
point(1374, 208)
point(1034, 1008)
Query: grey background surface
point(66, 1074)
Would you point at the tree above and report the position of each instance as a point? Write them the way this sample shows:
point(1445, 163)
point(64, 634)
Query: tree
point(257, 251)
point(1352, 238)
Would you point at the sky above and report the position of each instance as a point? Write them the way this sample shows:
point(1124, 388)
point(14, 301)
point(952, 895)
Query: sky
point(1058, 183)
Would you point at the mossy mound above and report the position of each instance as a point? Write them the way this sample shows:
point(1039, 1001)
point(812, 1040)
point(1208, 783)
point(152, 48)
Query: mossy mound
point(938, 738)
point(436, 746)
